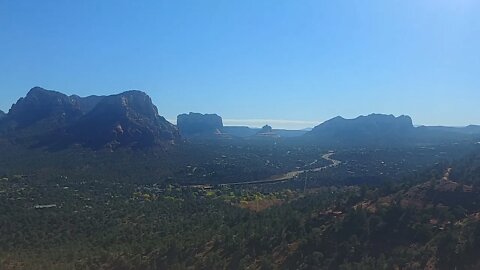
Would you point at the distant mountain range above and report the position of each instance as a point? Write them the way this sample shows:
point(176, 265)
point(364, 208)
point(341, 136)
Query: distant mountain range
point(471, 129)
point(130, 119)
point(364, 130)
point(210, 126)
point(384, 130)
point(371, 130)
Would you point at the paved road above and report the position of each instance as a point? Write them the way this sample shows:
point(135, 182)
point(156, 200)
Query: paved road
point(293, 174)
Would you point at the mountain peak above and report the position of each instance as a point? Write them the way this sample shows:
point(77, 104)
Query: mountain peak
point(337, 118)
point(37, 89)
point(128, 118)
point(133, 101)
point(41, 104)
point(42, 93)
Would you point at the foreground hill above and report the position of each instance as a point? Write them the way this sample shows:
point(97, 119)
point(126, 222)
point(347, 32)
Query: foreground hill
point(47, 118)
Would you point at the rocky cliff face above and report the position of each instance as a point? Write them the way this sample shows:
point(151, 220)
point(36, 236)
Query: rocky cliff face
point(127, 119)
point(86, 104)
point(197, 124)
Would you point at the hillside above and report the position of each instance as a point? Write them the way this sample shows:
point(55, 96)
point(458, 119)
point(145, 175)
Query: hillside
point(379, 130)
point(52, 119)
point(126, 119)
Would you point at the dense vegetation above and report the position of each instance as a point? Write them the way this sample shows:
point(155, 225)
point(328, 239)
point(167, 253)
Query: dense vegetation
point(425, 219)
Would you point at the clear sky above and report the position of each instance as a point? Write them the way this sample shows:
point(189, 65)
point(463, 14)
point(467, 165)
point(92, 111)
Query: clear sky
point(300, 60)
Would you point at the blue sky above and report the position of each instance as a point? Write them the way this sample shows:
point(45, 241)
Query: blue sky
point(292, 63)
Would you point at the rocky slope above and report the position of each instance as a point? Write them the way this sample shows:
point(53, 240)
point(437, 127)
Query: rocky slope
point(197, 124)
point(129, 118)
point(47, 117)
